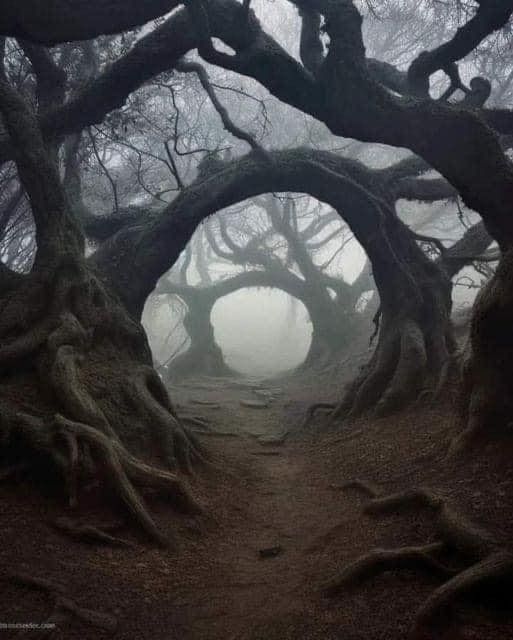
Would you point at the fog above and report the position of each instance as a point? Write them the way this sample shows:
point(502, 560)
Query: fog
point(262, 332)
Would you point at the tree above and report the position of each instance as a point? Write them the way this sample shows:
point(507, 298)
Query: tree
point(276, 245)
point(414, 293)
point(334, 317)
point(428, 127)
point(69, 343)
point(72, 340)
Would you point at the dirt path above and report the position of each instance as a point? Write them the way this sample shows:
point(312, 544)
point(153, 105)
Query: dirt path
point(261, 571)
point(263, 494)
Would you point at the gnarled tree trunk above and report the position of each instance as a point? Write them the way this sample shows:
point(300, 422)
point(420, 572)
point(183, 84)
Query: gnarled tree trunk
point(78, 395)
point(487, 390)
point(415, 334)
point(333, 329)
point(203, 356)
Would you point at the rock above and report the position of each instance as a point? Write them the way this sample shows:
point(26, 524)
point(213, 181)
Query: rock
point(270, 552)
point(277, 439)
point(254, 404)
point(265, 395)
point(207, 403)
point(266, 453)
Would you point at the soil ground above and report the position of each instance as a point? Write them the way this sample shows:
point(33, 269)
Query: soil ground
point(263, 494)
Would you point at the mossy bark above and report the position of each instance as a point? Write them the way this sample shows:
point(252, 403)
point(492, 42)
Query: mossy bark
point(78, 394)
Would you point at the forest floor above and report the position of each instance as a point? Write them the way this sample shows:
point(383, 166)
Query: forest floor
point(265, 494)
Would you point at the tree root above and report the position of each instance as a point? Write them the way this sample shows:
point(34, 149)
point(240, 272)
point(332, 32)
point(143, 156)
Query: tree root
point(64, 606)
point(72, 470)
point(121, 470)
point(486, 560)
point(218, 434)
point(482, 403)
point(179, 447)
point(380, 560)
point(411, 361)
point(89, 533)
point(495, 568)
point(82, 388)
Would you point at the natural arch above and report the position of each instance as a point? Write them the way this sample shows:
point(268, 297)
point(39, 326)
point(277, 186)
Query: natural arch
point(77, 311)
point(204, 355)
point(414, 292)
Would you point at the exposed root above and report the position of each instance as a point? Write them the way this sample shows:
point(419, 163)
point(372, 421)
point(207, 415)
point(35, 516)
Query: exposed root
point(411, 361)
point(451, 371)
point(486, 560)
point(478, 416)
point(403, 500)
point(113, 460)
point(366, 487)
point(206, 403)
point(218, 434)
point(122, 470)
point(380, 560)
point(89, 533)
point(496, 568)
point(77, 403)
point(63, 606)
point(409, 373)
point(176, 447)
point(79, 390)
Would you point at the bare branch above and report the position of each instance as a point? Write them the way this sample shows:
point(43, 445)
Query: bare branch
point(194, 67)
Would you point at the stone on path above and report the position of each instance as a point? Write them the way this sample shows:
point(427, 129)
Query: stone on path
point(275, 439)
point(206, 403)
point(254, 404)
point(270, 552)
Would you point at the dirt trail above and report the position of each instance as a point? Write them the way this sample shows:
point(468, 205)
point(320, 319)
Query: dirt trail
point(265, 567)
point(261, 494)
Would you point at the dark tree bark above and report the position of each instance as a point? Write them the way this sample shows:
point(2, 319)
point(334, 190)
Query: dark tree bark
point(487, 390)
point(415, 335)
point(77, 389)
point(469, 248)
point(203, 356)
